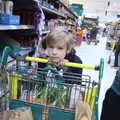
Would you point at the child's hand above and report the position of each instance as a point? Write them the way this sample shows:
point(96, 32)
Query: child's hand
point(57, 62)
point(62, 63)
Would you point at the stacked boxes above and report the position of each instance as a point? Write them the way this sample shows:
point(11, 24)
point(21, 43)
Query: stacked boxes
point(9, 19)
point(6, 11)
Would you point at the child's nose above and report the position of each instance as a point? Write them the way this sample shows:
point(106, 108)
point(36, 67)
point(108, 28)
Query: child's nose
point(54, 51)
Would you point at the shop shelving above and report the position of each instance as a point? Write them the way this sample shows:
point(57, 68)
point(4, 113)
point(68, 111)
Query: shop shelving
point(53, 11)
point(45, 31)
point(16, 27)
point(70, 11)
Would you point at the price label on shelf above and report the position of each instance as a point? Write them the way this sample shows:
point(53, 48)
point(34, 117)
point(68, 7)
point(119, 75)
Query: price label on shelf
point(13, 27)
point(24, 27)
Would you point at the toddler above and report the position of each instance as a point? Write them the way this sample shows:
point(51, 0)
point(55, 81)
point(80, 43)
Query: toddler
point(60, 50)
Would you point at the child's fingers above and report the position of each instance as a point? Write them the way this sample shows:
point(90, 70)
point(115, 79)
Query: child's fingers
point(53, 62)
point(57, 62)
point(62, 63)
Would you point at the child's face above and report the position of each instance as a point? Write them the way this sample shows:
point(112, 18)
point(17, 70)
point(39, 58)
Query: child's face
point(57, 50)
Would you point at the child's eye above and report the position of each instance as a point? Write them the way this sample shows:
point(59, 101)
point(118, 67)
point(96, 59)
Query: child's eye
point(60, 48)
point(51, 46)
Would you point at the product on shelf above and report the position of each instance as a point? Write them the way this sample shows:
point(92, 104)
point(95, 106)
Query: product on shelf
point(7, 7)
point(9, 19)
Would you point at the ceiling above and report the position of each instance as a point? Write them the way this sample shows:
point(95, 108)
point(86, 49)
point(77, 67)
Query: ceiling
point(99, 8)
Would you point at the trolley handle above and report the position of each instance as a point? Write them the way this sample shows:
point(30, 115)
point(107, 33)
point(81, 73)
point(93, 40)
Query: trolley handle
point(99, 68)
point(69, 64)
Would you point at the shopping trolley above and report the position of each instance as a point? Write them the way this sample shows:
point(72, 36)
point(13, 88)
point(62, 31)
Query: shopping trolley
point(50, 94)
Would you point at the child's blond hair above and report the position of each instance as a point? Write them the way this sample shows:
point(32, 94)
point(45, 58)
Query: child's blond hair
point(58, 35)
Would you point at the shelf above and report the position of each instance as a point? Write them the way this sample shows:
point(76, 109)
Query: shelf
point(45, 32)
point(53, 11)
point(68, 9)
point(16, 27)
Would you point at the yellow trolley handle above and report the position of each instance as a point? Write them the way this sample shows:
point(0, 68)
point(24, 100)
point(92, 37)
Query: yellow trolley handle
point(72, 64)
point(69, 64)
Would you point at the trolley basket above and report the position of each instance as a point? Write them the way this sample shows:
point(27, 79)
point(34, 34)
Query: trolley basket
point(50, 94)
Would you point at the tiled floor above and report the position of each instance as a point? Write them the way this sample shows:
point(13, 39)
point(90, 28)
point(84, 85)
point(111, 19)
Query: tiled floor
point(91, 54)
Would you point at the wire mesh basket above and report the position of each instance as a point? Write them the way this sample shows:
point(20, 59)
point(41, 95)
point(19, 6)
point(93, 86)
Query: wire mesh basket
point(53, 93)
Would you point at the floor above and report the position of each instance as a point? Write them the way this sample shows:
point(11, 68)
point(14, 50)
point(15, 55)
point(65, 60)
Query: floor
point(91, 54)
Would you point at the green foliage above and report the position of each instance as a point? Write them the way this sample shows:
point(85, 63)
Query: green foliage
point(52, 96)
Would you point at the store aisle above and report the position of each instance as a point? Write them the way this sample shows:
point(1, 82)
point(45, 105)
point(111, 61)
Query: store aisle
point(91, 54)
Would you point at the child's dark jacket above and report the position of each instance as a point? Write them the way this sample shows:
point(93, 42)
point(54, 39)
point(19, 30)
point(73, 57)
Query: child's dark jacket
point(72, 57)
